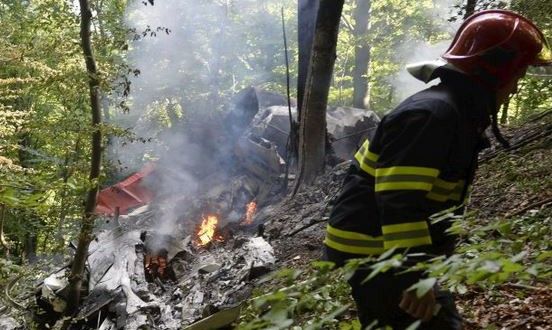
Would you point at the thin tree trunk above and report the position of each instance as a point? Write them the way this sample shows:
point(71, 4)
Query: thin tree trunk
point(362, 53)
point(29, 247)
point(470, 8)
point(312, 131)
point(504, 113)
point(306, 24)
point(85, 236)
point(66, 174)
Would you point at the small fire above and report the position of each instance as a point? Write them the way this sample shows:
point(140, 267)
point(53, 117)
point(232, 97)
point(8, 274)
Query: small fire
point(250, 210)
point(207, 229)
point(155, 266)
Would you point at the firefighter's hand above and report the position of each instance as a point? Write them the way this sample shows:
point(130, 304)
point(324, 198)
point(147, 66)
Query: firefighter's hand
point(420, 308)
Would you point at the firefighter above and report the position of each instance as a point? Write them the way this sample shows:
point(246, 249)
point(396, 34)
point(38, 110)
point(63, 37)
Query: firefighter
point(421, 160)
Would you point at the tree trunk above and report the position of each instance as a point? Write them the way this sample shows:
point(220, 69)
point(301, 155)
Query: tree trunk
point(85, 236)
point(307, 20)
point(470, 8)
point(504, 113)
point(362, 53)
point(29, 247)
point(312, 130)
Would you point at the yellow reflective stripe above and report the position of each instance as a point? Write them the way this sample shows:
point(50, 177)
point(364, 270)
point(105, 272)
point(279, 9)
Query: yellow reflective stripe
point(351, 234)
point(353, 242)
point(368, 169)
point(402, 227)
point(444, 190)
point(366, 159)
point(455, 197)
point(359, 156)
point(402, 186)
point(366, 153)
point(371, 156)
point(354, 249)
point(447, 185)
point(437, 197)
point(405, 235)
point(405, 178)
point(407, 243)
point(407, 170)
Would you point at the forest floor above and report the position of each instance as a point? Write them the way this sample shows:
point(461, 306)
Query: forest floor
point(513, 186)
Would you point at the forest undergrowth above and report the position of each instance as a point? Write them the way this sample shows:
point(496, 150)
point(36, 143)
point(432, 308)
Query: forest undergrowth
point(501, 272)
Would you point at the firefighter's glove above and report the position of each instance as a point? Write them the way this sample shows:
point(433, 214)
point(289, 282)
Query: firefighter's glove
point(421, 308)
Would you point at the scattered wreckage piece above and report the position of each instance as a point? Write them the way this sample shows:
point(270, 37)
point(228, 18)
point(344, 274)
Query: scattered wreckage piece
point(347, 128)
point(204, 279)
point(221, 319)
point(8, 323)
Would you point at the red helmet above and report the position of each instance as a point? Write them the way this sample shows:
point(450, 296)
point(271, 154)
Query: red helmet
point(496, 46)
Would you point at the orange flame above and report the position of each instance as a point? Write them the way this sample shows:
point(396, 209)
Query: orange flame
point(250, 210)
point(207, 230)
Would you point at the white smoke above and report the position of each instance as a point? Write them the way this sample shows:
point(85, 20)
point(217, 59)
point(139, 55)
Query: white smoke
point(412, 51)
point(193, 55)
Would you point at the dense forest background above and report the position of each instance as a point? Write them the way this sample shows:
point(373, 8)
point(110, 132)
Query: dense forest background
point(161, 65)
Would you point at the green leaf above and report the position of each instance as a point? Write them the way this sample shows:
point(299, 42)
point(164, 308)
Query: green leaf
point(510, 267)
point(387, 254)
point(423, 286)
point(505, 228)
point(384, 266)
point(533, 270)
point(323, 266)
point(544, 256)
point(273, 298)
point(519, 256)
point(490, 266)
point(414, 325)
point(329, 317)
point(461, 289)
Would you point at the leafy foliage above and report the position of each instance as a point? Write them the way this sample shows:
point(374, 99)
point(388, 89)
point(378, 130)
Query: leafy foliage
point(43, 102)
point(313, 303)
point(490, 255)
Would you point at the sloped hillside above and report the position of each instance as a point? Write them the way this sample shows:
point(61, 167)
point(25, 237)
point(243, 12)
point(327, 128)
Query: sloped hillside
point(513, 191)
point(509, 218)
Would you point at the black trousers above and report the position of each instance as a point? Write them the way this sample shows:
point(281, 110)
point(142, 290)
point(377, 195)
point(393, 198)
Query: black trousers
point(379, 298)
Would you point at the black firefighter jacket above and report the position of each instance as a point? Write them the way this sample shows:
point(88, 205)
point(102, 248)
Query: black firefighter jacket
point(419, 162)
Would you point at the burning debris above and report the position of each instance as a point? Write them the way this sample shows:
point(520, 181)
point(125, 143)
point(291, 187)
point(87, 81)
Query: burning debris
point(155, 266)
point(140, 277)
point(191, 252)
point(250, 211)
point(207, 230)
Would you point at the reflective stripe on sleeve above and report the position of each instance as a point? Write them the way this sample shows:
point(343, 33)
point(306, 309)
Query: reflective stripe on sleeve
point(406, 235)
point(446, 190)
point(405, 178)
point(352, 242)
point(366, 159)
